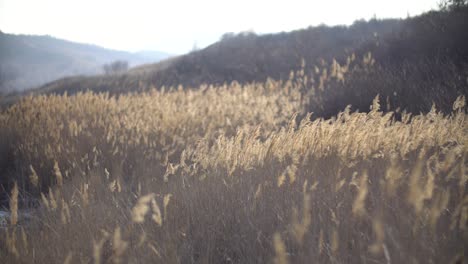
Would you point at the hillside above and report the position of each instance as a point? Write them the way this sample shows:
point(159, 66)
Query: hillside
point(28, 61)
point(409, 54)
point(244, 57)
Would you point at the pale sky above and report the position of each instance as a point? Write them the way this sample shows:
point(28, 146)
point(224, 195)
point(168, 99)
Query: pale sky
point(174, 25)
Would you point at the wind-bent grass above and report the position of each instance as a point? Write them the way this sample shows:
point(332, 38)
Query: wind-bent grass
point(232, 174)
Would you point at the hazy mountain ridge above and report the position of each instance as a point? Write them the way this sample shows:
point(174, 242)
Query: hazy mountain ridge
point(27, 61)
point(247, 57)
point(423, 56)
point(243, 57)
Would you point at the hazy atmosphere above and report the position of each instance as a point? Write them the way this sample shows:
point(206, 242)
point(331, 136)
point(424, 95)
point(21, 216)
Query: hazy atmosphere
point(233, 132)
point(176, 26)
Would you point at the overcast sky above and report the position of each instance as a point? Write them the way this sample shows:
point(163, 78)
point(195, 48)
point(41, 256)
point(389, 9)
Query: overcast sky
point(174, 26)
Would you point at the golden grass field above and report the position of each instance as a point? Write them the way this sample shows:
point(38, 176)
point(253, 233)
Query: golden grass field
point(233, 174)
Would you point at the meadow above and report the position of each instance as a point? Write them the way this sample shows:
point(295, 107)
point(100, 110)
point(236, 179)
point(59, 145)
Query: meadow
point(235, 173)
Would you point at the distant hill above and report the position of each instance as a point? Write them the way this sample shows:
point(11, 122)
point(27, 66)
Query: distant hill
point(28, 61)
point(247, 57)
point(243, 57)
point(419, 60)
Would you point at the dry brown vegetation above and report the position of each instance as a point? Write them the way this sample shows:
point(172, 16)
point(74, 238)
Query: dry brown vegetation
point(232, 174)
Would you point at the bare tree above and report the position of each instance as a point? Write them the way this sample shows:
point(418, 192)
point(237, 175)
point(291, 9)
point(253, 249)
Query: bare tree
point(115, 67)
point(452, 4)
